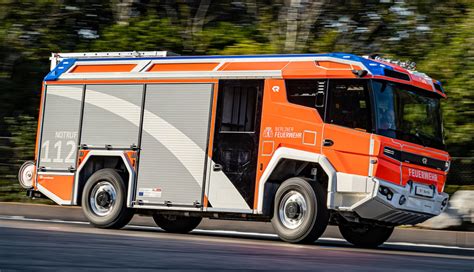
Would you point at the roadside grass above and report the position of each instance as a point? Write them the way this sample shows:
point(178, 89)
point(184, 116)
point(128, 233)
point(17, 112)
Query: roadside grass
point(451, 189)
point(11, 191)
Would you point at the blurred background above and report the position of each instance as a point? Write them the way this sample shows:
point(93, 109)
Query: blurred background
point(438, 35)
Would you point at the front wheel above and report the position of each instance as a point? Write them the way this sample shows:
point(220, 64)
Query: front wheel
point(176, 223)
point(104, 200)
point(363, 235)
point(300, 211)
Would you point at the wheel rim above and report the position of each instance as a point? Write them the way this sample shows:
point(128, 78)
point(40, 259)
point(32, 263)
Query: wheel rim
point(292, 210)
point(103, 198)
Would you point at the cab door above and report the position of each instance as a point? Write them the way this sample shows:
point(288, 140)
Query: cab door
point(235, 147)
point(347, 130)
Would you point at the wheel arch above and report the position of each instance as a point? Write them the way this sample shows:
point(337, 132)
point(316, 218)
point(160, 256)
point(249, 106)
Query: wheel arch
point(100, 159)
point(287, 163)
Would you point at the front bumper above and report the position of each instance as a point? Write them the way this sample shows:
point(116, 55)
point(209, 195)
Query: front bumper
point(403, 207)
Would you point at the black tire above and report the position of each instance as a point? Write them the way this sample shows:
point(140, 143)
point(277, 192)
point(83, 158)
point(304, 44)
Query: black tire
point(312, 222)
point(119, 215)
point(363, 235)
point(176, 223)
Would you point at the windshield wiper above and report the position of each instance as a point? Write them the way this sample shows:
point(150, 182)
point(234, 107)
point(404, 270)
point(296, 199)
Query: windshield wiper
point(431, 138)
point(417, 137)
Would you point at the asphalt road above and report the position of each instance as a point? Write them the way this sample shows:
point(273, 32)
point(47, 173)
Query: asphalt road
point(45, 244)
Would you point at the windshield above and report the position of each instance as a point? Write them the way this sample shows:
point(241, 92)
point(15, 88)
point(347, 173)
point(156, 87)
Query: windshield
point(402, 112)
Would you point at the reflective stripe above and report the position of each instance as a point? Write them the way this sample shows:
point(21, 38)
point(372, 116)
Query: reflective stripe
point(180, 151)
point(371, 153)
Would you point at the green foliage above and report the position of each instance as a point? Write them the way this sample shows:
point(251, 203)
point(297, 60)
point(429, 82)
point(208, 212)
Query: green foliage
point(17, 149)
point(23, 136)
point(229, 39)
point(452, 62)
point(149, 33)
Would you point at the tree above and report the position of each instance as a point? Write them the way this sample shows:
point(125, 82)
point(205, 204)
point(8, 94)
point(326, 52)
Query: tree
point(452, 62)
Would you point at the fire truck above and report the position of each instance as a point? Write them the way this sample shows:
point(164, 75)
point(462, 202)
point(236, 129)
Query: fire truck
point(301, 140)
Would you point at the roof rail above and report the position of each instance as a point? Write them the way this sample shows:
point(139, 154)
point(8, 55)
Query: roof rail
point(58, 57)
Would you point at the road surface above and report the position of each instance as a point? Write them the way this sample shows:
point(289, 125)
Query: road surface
point(46, 244)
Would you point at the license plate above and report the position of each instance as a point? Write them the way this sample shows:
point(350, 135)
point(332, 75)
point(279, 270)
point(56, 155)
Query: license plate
point(423, 191)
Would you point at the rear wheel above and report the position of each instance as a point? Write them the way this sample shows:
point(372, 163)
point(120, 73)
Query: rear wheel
point(300, 212)
point(363, 235)
point(176, 223)
point(104, 200)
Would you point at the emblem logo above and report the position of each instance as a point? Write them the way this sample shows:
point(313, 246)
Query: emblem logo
point(424, 160)
point(268, 132)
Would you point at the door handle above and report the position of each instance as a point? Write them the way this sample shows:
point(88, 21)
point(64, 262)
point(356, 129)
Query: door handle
point(217, 167)
point(328, 142)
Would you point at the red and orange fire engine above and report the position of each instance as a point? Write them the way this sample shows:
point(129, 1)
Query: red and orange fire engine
point(298, 140)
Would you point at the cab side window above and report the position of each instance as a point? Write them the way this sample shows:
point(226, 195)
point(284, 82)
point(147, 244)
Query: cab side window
point(348, 104)
point(307, 92)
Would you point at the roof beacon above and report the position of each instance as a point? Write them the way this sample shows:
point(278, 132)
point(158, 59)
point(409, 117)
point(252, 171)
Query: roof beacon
point(409, 65)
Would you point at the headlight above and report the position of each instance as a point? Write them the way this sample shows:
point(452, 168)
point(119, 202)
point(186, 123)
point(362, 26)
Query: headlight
point(447, 165)
point(26, 174)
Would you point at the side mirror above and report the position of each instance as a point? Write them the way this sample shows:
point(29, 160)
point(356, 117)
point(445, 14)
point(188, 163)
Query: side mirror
point(360, 73)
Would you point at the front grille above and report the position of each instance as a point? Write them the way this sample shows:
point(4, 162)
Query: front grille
point(415, 159)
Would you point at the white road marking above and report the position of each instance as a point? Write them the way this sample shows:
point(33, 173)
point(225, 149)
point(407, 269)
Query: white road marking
point(234, 232)
point(22, 218)
point(226, 232)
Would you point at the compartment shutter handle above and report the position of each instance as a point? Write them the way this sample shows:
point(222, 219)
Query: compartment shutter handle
point(217, 167)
